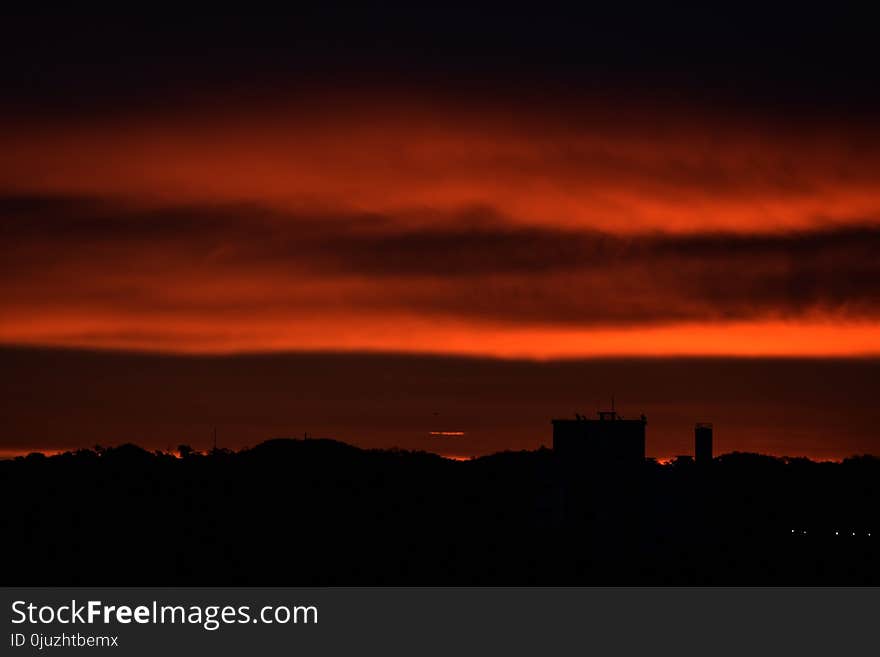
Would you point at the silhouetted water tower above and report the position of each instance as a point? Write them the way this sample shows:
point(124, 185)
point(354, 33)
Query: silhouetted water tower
point(703, 442)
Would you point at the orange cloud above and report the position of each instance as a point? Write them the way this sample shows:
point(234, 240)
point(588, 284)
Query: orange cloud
point(182, 332)
point(441, 231)
point(637, 173)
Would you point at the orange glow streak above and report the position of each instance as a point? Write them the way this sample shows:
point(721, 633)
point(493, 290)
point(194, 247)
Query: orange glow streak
point(14, 453)
point(446, 433)
point(808, 337)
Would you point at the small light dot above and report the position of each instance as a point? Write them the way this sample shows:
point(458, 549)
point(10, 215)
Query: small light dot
point(837, 533)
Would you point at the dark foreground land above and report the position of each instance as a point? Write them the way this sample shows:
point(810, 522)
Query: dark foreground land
point(319, 512)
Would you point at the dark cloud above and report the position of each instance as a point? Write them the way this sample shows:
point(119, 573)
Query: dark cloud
point(474, 264)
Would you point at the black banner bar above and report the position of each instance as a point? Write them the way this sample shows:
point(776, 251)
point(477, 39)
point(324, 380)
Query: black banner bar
point(411, 621)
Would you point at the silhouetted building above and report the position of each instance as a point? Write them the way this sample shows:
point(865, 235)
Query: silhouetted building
point(600, 463)
point(608, 441)
point(703, 442)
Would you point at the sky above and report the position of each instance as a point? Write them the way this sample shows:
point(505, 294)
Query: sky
point(552, 196)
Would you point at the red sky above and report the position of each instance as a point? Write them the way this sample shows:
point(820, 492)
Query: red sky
point(376, 224)
point(524, 245)
point(346, 225)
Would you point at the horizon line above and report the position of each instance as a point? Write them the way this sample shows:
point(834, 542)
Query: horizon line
point(49, 452)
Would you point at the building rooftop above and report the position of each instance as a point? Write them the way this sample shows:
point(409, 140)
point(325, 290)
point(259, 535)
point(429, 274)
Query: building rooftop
point(603, 416)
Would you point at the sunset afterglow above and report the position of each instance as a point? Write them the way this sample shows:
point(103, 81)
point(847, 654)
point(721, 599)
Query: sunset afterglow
point(464, 232)
point(454, 221)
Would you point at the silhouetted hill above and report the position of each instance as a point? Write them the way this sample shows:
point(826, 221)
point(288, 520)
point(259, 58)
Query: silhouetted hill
point(321, 512)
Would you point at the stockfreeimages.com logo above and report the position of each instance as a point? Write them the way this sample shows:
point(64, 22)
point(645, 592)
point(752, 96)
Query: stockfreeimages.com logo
point(209, 617)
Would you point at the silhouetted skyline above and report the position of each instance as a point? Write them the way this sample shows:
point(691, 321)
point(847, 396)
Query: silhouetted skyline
point(824, 409)
point(320, 512)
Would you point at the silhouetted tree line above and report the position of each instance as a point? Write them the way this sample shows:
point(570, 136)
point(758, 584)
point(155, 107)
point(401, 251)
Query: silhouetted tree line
point(320, 512)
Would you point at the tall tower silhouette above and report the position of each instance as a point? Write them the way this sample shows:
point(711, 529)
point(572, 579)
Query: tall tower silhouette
point(703, 442)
